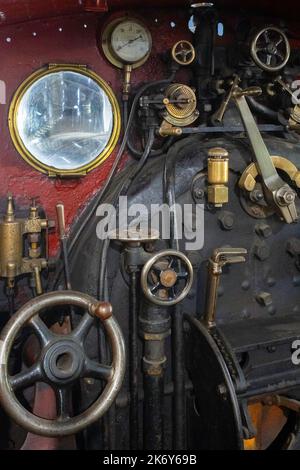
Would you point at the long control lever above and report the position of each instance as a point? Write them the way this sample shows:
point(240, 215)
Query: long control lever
point(220, 258)
point(277, 191)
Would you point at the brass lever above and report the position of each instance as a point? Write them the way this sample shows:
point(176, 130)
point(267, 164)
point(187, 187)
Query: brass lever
point(220, 258)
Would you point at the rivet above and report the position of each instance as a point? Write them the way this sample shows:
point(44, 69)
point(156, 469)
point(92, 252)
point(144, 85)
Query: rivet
point(246, 285)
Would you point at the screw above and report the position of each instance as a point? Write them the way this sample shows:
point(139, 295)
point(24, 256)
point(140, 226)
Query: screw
point(226, 220)
point(256, 195)
point(261, 251)
point(293, 246)
point(271, 281)
point(264, 230)
point(199, 193)
point(271, 310)
point(245, 285)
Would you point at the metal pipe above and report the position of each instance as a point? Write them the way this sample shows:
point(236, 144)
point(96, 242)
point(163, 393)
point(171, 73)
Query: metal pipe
point(262, 109)
point(153, 412)
point(133, 364)
point(177, 324)
point(155, 325)
point(179, 380)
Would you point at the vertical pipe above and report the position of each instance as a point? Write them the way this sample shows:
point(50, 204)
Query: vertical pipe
point(133, 366)
point(179, 380)
point(153, 412)
point(178, 369)
point(155, 325)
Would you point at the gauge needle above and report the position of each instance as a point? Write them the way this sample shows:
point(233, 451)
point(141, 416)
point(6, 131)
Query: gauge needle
point(130, 42)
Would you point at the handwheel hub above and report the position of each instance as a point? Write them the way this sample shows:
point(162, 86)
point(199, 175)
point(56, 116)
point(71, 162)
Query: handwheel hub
point(168, 278)
point(63, 362)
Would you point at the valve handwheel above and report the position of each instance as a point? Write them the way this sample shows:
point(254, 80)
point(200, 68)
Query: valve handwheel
point(270, 49)
point(167, 278)
point(61, 363)
point(183, 52)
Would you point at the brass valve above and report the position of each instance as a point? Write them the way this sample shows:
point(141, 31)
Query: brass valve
point(218, 176)
point(13, 263)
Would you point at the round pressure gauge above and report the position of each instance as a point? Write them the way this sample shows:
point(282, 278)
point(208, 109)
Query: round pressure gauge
point(126, 41)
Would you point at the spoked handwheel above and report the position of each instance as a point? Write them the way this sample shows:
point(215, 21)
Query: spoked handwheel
point(183, 52)
point(270, 49)
point(61, 363)
point(167, 278)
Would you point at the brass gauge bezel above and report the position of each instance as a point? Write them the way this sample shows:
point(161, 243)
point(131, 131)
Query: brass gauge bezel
point(21, 147)
point(107, 46)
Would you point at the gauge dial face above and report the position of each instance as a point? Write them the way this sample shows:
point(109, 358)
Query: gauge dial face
point(131, 41)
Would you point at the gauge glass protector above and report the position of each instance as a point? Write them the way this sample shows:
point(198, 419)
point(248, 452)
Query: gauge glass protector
point(130, 41)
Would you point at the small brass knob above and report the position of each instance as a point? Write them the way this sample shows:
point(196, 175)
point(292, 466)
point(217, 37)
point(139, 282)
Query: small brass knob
point(102, 310)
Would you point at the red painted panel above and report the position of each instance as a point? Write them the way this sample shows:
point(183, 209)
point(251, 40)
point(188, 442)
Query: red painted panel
point(14, 11)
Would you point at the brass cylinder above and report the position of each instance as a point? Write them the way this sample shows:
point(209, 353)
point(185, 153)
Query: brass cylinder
point(218, 166)
point(11, 248)
point(217, 176)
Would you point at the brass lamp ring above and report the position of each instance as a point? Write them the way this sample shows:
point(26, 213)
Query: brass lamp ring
point(24, 151)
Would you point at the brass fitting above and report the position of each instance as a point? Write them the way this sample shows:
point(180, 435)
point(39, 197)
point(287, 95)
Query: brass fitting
point(294, 121)
point(12, 232)
point(218, 176)
point(166, 130)
point(102, 310)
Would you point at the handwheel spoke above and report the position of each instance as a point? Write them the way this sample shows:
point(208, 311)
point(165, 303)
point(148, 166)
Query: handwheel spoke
point(41, 330)
point(267, 39)
point(155, 288)
point(82, 330)
point(94, 370)
point(26, 378)
point(64, 402)
point(172, 293)
point(182, 275)
point(157, 270)
point(280, 55)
